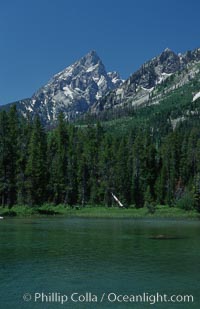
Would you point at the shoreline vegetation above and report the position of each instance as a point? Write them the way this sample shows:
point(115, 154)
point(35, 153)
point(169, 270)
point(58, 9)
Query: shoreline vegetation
point(97, 212)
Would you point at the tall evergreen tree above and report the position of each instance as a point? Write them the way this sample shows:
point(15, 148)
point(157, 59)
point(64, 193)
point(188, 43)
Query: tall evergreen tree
point(13, 144)
point(59, 163)
point(36, 168)
point(4, 158)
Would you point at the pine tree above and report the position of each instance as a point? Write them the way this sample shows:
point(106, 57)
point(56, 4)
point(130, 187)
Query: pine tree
point(59, 162)
point(13, 144)
point(138, 172)
point(106, 170)
point(197, 191)
point(36, 168)
point(149, 200)
point(4, 158)
point(25, 130)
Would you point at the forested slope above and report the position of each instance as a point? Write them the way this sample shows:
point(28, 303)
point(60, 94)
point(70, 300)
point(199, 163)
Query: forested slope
point(147, 156)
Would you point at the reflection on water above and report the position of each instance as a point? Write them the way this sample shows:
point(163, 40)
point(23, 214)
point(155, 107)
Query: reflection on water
point(97, 256)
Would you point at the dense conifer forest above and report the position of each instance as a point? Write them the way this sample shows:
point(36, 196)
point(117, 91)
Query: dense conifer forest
point(149, 163)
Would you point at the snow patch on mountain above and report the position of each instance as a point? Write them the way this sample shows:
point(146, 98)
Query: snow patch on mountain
point(92, 68)
point(163, 77)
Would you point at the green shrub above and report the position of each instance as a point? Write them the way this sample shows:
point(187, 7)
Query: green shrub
point(186, 202)
point(151, 207)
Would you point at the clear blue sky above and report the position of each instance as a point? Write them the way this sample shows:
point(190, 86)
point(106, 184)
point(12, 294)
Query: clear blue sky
point(38, 38)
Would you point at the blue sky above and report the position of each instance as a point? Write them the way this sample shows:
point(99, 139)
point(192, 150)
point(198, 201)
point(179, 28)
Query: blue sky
point(38, 38)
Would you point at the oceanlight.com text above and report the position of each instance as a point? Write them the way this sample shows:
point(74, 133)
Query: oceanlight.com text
point(112, 297)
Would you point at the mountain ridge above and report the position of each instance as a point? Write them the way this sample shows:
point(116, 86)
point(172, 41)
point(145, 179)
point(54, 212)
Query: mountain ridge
point(86, 87)
point(139, 89)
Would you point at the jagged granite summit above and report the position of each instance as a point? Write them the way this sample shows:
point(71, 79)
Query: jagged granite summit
point(71, 91)
point(141, 87)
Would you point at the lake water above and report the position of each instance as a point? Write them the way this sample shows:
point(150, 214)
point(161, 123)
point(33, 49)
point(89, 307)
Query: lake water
point(66, 256)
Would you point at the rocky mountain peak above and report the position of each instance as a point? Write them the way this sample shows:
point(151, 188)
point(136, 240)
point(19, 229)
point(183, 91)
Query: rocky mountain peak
point(167, 50)
point(90, 58)
point(169, 60)
point(167, 53)
point(73, 90)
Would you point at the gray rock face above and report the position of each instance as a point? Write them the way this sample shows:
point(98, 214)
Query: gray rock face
point(136, 89)
point(115, 78)
point(73, 90)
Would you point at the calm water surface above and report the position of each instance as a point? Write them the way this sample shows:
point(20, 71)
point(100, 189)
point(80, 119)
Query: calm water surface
point(95, 255)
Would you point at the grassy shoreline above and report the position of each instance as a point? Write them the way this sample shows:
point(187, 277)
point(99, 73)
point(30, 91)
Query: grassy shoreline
point(97, 212)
